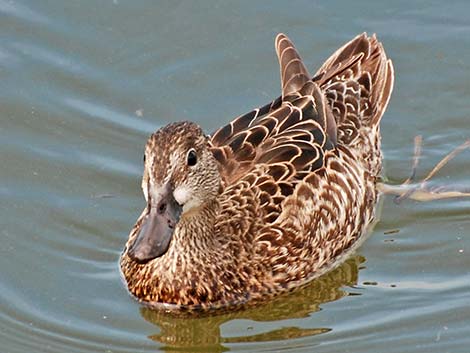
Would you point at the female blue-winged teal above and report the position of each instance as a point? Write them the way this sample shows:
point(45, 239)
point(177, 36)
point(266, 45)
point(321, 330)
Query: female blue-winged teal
point(270, 201)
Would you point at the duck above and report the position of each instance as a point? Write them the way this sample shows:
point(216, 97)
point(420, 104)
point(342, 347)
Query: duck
point(272, 200)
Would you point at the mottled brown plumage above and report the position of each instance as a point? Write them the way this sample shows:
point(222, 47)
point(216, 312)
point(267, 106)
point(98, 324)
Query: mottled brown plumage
point(272, 200)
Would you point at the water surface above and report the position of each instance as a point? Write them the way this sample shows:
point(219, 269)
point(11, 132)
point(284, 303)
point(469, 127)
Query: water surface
point(84, 83)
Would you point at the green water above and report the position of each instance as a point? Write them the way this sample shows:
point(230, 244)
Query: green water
point(83, 84)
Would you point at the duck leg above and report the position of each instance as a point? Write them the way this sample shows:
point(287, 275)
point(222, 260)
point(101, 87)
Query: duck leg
point(421, 191)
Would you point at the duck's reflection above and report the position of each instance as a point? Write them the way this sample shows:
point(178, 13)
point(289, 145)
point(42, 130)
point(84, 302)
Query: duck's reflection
point(178, 334)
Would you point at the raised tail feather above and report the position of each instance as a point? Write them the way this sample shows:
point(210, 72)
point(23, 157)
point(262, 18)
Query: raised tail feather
point(297, 82)
point(294, 74)
point(356, 82)
point(360, 72)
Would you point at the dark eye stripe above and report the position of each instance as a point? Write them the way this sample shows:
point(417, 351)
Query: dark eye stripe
point(192, 157)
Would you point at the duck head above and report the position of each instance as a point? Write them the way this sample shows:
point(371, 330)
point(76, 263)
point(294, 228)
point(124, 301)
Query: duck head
point(180, 176)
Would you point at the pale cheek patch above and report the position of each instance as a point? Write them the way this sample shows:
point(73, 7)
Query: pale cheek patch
point(183, 196)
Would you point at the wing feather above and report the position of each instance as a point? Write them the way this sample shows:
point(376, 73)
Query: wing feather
point(287, 139)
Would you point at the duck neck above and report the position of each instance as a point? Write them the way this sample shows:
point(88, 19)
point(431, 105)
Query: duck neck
point(195, 231)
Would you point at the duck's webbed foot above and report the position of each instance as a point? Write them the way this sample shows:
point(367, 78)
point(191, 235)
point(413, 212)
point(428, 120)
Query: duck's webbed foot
point(422, 191)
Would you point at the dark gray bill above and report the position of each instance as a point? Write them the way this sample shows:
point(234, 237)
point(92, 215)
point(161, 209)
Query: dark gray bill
point(156, 230)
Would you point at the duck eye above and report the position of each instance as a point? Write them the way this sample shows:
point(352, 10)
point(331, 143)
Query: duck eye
point(192, 157)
